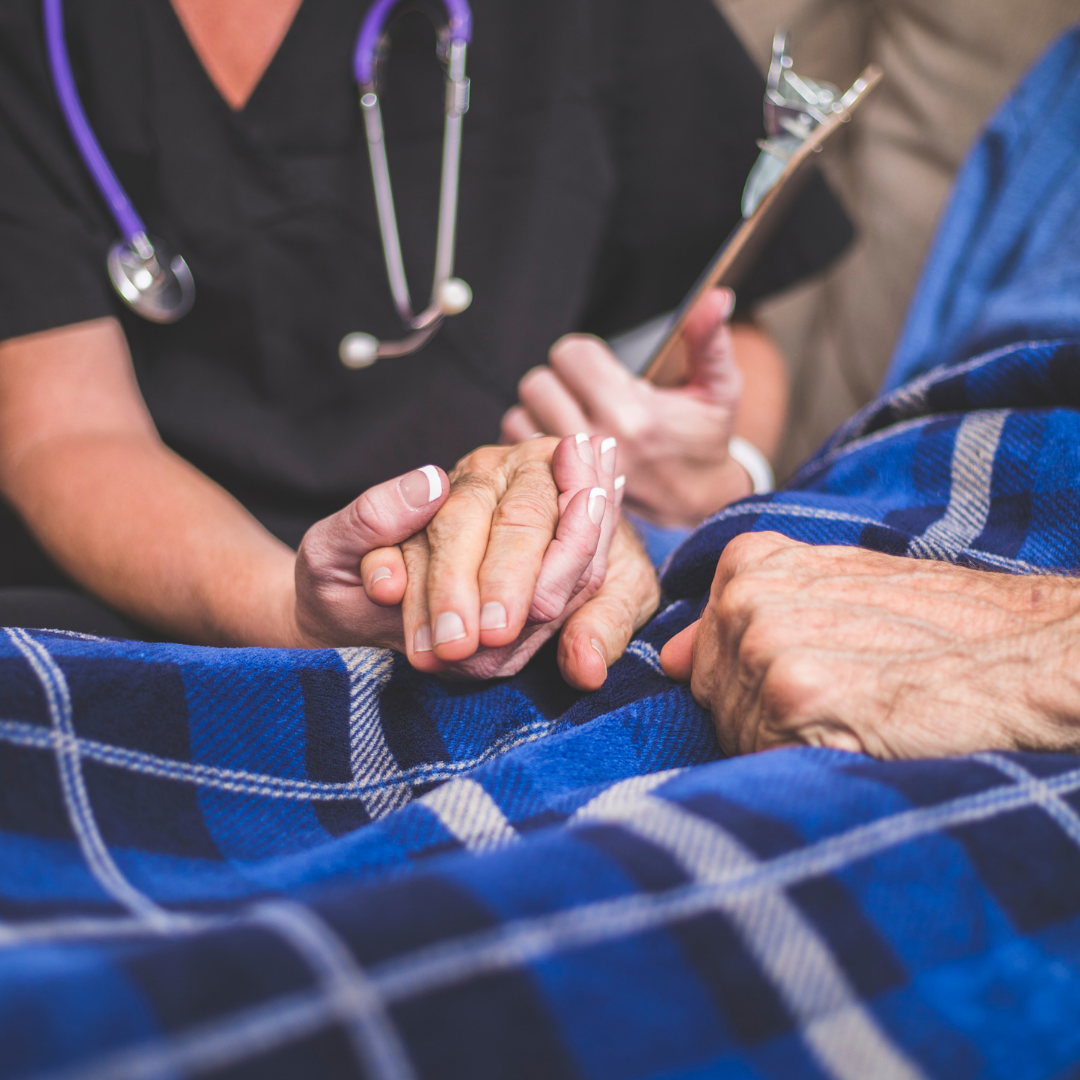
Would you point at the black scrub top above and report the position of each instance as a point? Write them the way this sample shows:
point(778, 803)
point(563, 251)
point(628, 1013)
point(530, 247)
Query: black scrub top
point(604, 158)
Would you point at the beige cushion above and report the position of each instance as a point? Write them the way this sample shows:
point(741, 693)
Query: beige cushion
point(948, 64)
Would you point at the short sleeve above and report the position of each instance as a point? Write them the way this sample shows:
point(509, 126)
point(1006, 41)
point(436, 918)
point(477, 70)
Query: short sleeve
point(685, 117)
point(54, 235)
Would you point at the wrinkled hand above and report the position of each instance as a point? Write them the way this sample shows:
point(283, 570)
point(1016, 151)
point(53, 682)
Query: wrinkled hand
point(521, 543)
point(887, 656)
point(519, 546)
point(672, 442)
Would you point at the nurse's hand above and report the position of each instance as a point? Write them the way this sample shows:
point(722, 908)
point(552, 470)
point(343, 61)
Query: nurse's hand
point(332, 606)
point(672, 442)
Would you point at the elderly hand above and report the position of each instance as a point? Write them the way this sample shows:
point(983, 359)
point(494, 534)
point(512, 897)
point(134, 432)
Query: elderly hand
point(672, 442)
point(887, 656)
point(519, 546)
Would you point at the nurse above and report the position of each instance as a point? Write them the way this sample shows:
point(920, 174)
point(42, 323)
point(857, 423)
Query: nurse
point(173, 470)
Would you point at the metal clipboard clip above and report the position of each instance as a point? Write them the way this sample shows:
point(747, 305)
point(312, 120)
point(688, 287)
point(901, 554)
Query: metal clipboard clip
point(795, 108)
point(801, 117)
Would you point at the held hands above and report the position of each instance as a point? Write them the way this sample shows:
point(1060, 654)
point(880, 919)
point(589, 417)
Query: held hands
point(493, 560)
point(891, 657)
point(672, 442)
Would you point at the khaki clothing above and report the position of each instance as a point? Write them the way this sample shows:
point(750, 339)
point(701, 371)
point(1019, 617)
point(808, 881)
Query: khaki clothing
point(948, 64)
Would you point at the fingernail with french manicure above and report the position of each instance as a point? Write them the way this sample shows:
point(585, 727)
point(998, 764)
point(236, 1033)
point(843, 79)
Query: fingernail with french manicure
point(607, 455)
point(620, 485)
point(597, 505)
point(422, 641)
point(421, 486)
point(449, 627)
point(381, 574)
point(584, 449)
point(493, 616)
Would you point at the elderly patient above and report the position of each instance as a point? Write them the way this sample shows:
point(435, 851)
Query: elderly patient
point(903, 657)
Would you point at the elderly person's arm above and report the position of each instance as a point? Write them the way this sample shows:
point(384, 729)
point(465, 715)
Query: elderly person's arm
point(892, 657)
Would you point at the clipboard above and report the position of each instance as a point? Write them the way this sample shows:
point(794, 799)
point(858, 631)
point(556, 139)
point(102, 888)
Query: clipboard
point(667, 365)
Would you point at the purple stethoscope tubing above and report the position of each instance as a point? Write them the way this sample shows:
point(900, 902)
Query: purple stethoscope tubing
point(158, 284)
point(372, 30)
point(127, 217)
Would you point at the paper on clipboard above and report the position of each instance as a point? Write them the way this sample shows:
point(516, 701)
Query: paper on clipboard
point(657, 349)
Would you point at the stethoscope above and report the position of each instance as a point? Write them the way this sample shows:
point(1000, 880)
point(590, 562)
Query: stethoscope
point(157, 283)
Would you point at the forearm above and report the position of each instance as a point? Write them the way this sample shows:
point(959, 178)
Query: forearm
point(149, 534)
point(763, 409)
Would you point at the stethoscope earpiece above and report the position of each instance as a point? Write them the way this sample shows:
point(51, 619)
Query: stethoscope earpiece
point(358, 351)
point(449, 295)
point(452, 297)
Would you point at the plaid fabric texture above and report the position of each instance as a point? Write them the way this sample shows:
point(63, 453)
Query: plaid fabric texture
point(248, 863)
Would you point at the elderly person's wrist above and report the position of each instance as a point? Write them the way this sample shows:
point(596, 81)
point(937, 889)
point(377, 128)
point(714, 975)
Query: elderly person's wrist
point(1045, 661)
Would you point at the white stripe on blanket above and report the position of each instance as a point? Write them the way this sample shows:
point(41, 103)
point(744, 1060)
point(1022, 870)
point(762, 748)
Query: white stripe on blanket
point(470, 815)
point(369, 671)
point(976, 446)
point(837, 1027)
point(80, 812)
point(345, 987)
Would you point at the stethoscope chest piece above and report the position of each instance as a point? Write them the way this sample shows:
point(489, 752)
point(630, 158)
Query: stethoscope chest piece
point(154, 282)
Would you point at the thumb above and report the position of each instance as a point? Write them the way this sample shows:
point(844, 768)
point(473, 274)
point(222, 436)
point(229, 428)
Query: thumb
point(677, 655)
point(383, 516)
point(713, 370)
point(597, 634)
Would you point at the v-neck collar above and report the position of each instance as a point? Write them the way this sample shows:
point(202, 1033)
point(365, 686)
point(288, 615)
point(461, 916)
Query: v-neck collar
point(285, 46)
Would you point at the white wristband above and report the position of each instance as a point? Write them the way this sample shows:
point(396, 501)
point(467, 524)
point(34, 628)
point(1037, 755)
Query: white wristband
point(754, 462)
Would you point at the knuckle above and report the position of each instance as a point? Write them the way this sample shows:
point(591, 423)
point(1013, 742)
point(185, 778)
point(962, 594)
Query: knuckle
point(526, 511)
point(741, 549)
point(534, 456)
point(370, 515)
point(567, 349)
point(546, 607)
point(478, 464)
point(634, 421)
point(793, 686)
point(415, 551)
point(530, 378)
point(737, 600)
point(755, 647)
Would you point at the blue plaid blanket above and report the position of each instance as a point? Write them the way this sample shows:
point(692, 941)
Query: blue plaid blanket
point(248, 863)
